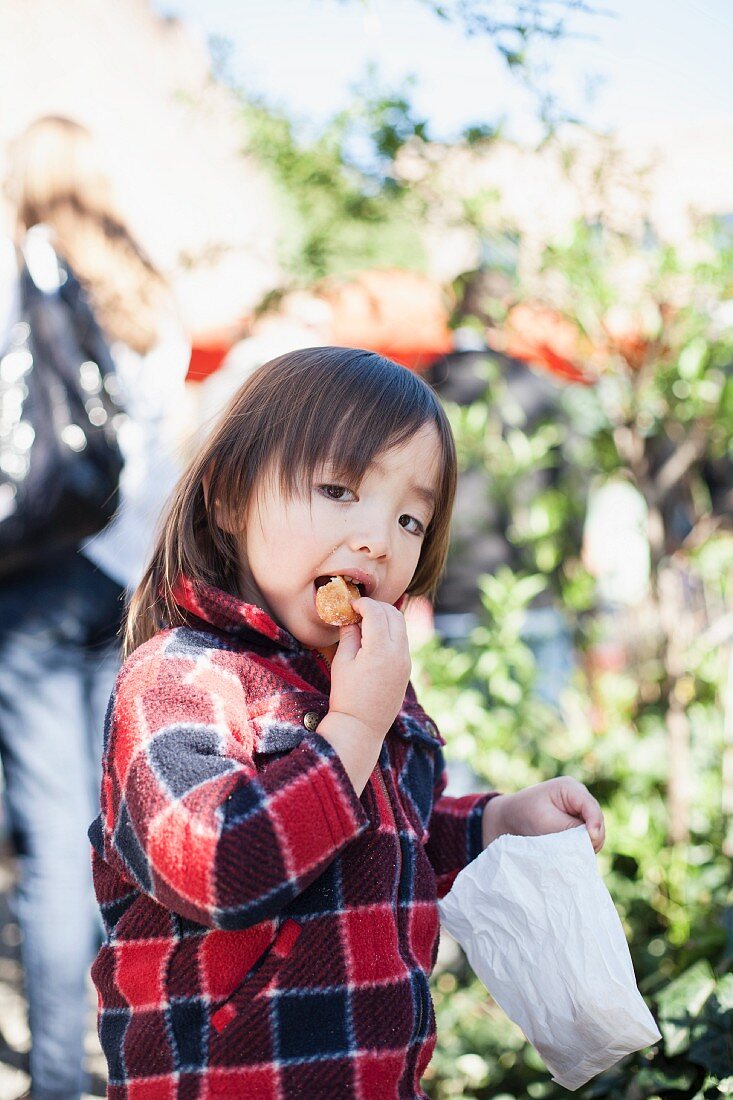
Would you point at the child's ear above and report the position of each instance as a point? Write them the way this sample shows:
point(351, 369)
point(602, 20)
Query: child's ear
point(220, 513)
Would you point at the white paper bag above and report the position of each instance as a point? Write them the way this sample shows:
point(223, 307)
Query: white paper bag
point(541, 932)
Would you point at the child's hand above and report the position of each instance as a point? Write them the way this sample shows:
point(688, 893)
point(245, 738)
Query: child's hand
point(548, 807)
point(369, 675)
point(371, 667)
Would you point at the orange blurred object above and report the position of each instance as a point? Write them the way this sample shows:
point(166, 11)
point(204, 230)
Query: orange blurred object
point(210, 348)
point(397, 313)
point(535, 333)
point(630, 335)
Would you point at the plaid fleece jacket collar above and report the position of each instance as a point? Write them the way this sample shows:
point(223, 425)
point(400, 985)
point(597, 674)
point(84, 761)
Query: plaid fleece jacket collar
point(268, 934)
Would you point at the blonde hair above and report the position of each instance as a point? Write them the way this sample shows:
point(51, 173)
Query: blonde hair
point(340, 406)
point(55, 178)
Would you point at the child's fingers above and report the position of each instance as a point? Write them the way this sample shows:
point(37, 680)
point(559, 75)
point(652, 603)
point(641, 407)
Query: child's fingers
point(578, 801)
point(597, 833)
point(396, 624)
point(592, 815)
point(374, 624)
point(598, 836)
point(393, 617)
point(349, 642)
point(593, 818)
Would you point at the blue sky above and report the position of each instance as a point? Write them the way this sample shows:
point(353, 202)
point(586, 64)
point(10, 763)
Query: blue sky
point(659, 61)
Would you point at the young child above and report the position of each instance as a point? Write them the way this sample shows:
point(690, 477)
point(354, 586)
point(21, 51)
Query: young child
point(274, 833)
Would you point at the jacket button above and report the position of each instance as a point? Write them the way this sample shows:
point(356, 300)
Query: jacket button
point(311, 720)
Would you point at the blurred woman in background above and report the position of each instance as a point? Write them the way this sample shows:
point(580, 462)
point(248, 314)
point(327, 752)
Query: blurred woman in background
point(59, 619)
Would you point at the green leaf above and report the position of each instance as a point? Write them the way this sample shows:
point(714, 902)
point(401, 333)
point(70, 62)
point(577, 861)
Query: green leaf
point(608, 1084)
point(679, 1004)
point(714, 1051)
point(724, 992)
point(693, 358)
point(727, 922)
point(663, 1079)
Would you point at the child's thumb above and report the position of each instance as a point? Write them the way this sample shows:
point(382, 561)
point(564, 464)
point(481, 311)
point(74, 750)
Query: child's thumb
point(349, 643)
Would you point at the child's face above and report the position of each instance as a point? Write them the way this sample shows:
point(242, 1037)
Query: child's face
point(372, 532)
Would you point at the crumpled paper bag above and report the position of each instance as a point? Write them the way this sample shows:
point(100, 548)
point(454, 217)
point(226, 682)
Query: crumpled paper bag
point(541, 932)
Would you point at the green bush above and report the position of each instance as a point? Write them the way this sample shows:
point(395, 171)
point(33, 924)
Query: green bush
point(644, 731)
point(673, 900)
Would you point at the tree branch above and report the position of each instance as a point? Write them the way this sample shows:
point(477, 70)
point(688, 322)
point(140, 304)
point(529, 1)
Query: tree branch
point(524, 18)
point(677, 465)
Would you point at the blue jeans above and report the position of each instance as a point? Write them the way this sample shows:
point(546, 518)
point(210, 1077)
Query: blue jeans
point(58, 661)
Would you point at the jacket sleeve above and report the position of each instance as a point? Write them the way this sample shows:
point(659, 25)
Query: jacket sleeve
point(189, 818)
point(454, 829)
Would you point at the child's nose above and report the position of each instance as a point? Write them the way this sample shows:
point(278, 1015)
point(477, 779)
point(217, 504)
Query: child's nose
point(374, 543)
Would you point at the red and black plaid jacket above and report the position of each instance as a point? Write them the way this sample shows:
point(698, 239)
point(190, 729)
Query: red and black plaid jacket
point(269, 934)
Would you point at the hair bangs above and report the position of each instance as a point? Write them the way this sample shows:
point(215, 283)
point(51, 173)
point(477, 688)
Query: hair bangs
point(347, 417)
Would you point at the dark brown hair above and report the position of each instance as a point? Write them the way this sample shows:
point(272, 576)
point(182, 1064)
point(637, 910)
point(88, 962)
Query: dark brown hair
point(309, 408)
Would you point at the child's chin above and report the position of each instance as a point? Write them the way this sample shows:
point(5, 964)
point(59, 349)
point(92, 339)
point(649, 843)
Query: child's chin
point(316, 635)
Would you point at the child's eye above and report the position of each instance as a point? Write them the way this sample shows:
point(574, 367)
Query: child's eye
point(414, 526)
point(336, 492)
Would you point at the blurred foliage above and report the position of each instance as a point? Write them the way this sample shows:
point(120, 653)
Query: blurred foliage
point(659, 352)
point(344, 205)
point(656, 326)
point(674, 900)
point(544, 515)
point(515, 29)
point(511, 24)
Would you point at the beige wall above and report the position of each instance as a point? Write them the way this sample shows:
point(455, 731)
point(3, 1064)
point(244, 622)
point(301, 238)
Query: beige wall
point(171, 138)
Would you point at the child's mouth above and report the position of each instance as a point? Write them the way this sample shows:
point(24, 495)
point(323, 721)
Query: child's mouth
point(320, 581)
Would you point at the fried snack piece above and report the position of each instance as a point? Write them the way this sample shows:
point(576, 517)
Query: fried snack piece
point(333, 602)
